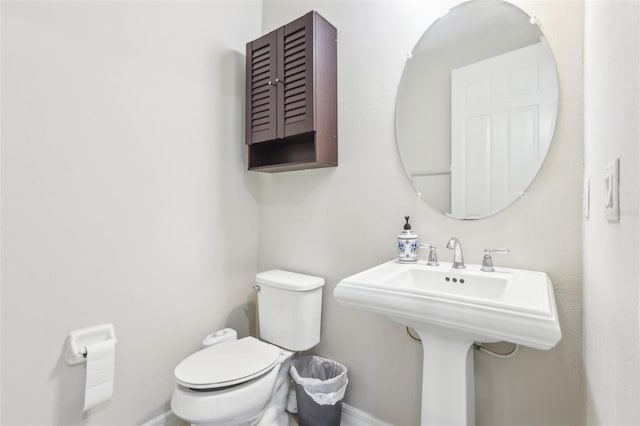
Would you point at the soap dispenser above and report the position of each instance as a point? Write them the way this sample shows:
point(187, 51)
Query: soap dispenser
point(407, 244)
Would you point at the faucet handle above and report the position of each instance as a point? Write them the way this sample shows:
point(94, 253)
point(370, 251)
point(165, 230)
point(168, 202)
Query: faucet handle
point(487, 261)
point(432, 259)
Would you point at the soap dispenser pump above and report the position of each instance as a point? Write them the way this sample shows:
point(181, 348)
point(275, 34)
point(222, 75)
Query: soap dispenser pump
point(407, 244)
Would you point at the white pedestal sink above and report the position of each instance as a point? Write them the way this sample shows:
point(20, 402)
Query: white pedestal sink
point(451, 309)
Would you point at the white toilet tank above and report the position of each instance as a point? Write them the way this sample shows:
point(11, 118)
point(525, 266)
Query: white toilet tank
point(289, 306)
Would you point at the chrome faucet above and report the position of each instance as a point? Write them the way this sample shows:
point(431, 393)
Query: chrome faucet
point(458, 260)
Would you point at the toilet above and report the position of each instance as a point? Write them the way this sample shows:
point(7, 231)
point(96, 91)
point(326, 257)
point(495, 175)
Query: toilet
point(234, 382)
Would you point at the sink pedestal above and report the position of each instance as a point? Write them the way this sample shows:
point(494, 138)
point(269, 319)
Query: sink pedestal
point(451, 309)
point(447, 379)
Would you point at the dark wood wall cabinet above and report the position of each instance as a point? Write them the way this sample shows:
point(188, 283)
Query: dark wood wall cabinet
point(291, 116)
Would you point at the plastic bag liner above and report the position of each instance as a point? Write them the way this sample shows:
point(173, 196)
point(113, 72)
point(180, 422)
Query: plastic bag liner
point(320, 387)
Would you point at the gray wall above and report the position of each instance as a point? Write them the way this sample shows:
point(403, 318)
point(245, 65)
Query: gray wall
point(124, 195)
point(336, 222)
point(611, 253)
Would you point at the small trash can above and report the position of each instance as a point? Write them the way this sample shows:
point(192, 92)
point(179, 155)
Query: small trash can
point(320, 386)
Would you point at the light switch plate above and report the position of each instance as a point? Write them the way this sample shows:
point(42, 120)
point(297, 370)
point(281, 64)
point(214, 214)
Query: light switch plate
point(585, 199)
point(611, 194)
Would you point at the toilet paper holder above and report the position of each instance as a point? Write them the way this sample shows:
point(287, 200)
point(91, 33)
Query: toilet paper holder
point(78, 340)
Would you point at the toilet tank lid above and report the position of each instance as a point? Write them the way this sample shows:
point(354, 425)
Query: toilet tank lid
point(289, 280)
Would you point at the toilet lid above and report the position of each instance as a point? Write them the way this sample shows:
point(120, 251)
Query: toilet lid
point(227, 364)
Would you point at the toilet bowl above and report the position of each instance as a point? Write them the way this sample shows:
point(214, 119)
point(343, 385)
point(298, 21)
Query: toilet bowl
point(230, 392)
point(235, 382)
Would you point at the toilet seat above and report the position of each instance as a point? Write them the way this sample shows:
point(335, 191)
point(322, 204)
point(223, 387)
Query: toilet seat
point(227, 364)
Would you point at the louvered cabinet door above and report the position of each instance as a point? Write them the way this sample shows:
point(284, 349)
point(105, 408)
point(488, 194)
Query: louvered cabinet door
point(292, 103)
point(261, 83)
point(295, 71)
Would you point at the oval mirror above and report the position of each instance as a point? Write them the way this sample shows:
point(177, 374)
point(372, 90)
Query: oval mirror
point(476, 108)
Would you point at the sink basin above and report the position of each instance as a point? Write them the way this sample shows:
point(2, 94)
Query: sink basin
point(451, 309)
point(448, 284)
point(513, 305)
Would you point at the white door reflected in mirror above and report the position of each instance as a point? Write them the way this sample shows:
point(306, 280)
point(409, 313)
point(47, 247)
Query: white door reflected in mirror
point(500, 123)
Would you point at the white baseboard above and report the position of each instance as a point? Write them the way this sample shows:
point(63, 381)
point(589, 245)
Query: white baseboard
point(166, 419)
point(351, 416)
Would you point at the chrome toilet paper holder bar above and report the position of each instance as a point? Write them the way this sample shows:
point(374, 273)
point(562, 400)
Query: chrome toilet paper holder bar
point(78, 340)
